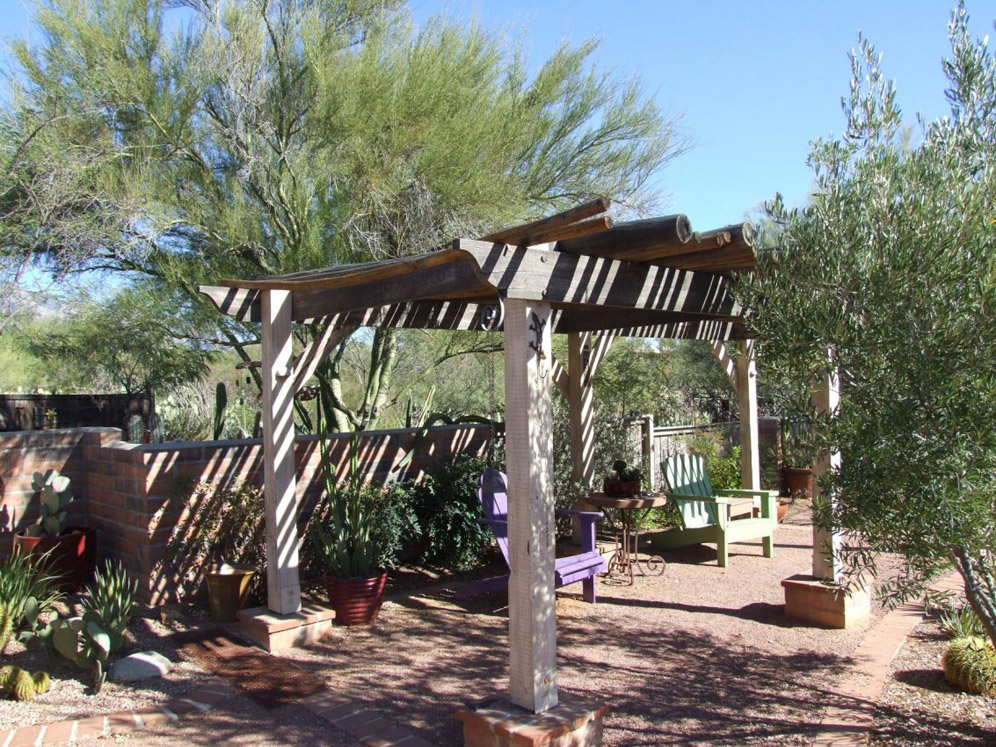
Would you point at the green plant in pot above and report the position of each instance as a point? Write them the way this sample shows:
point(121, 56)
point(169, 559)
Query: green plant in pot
point(71, 550)
point(343, 535)
point(797, 450)
point(622, 480)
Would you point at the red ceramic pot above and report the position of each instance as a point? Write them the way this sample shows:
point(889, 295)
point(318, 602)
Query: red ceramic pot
point(621, 488)
point(72, 555)
point(797, 482)
point(356, 601)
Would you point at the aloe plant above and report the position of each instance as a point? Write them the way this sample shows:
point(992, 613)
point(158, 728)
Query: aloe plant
point(89, 640)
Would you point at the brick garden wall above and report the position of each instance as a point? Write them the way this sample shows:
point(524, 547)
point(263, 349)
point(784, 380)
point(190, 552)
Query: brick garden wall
point(136, 494)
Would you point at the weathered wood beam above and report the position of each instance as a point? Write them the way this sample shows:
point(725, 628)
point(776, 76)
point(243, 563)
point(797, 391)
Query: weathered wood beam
point(559, 375)
point(516, 234)
point(636, 241)
point(241, 303)
point(725, 361)
point(328, 338)
point(590, 319)
point(563, 278)
point(583, 228)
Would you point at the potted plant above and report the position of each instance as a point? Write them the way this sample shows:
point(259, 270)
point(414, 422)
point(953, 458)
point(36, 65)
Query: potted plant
point(796, 453)
point(622, 480)
point(72, 550)
point(343, 535)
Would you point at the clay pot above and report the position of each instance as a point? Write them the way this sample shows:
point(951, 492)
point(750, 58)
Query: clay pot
point(797, 482)
point(72, 555)
point(228, 590)
point(356, 601)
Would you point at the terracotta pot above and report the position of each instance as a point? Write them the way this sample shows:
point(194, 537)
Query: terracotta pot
point(72, 555)
point(797, 482)
point(228, 590)
point(621, 489)
point(356, 601)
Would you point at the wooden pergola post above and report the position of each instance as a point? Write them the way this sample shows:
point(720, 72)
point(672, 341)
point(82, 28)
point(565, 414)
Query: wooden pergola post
point(581, 410)
point(279, 483)
point(741, 370)
point(532, 611)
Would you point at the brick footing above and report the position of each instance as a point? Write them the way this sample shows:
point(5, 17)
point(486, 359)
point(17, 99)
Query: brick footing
point(495, 722)
point(275, 632)
point(809, 599)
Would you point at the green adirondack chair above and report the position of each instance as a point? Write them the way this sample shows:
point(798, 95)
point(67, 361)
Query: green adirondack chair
point(705, 512)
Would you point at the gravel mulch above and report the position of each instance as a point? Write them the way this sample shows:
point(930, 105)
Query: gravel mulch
point(919, 707)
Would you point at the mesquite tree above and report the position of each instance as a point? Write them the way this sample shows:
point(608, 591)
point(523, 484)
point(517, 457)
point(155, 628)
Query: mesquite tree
point(889, 278)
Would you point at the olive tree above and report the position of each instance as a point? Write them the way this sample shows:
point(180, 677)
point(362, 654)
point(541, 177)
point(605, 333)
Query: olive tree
point(889, 278)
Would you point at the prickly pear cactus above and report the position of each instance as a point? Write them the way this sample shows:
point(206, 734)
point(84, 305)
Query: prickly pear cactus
point(55, 496)
point(970, 664)
point(21, 685)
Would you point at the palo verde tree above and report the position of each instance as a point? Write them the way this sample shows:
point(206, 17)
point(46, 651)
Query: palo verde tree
point(889, 278)
point(193, 140)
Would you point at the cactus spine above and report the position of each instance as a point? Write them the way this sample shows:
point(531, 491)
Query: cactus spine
point(970, 664)
point(20, 685)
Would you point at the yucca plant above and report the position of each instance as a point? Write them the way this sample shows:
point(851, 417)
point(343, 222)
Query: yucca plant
point(342, 529)
point(962, 623)
point(26, 592)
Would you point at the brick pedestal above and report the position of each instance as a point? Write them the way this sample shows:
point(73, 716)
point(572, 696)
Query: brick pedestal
point(810, 599)
point(276, 632)
point(495, 722)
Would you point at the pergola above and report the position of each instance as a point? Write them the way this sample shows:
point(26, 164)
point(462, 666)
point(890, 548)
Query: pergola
point(574, 273)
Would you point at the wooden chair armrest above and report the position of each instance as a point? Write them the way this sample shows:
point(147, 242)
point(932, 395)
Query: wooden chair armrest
point(748, 493)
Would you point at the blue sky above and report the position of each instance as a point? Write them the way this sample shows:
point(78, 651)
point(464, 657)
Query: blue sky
point(754, 81)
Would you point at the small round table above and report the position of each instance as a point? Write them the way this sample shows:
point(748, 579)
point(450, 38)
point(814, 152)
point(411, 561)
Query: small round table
point(627, 552)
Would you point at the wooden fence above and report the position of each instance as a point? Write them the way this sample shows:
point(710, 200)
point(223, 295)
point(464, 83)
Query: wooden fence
point(32, 412)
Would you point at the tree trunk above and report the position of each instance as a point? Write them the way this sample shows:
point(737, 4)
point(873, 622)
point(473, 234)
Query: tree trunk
point(978, 589)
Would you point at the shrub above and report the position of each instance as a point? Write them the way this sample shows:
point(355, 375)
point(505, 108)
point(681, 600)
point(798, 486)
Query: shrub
point(724, 472)
point(226, 525)
point(970, 664)
point(448, 510)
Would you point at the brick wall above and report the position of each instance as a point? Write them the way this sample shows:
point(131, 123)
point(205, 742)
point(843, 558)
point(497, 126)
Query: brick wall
point(136, 494)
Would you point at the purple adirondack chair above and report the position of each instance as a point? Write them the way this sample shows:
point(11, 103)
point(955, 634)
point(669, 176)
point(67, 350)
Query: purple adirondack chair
point(568, 570)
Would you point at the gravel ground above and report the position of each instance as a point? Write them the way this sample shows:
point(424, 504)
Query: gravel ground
point(701, 655)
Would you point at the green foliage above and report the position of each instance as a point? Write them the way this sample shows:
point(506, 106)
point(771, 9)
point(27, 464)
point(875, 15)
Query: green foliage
point(284, 136)
point(342, 530)
point(220, 404)
point(448, 509)
point(962, 623)
point(723, 471)
point(622, 472)
point(55, 497)
point(226, 526)
point(89, 640)
point(970, 664)
point(22, 685)
point(27, 593)
point(889, 278)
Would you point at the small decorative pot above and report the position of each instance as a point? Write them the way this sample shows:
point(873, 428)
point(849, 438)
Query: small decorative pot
point(72, 555)
point(228, 590)
point(797, 482)
point(356, 601)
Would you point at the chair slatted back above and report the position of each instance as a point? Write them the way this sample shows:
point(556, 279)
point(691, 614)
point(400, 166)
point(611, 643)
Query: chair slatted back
point(685, 474)
point(494, 499)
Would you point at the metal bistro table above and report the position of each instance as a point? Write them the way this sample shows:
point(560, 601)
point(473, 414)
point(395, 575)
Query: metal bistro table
point(627, 552)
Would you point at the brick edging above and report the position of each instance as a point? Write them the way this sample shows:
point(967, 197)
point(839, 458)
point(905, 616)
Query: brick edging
point(851, 725)
point(203, 699)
